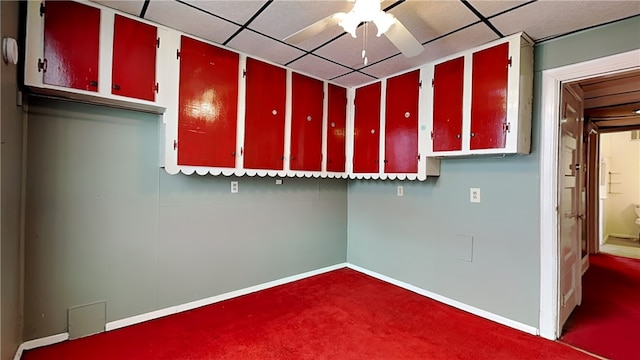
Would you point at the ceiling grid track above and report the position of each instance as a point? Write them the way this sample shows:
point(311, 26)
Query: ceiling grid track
point(246, 25)
point(482, 18)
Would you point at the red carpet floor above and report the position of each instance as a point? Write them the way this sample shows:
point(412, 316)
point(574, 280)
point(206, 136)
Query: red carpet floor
point(338, 315)
point(608, 321)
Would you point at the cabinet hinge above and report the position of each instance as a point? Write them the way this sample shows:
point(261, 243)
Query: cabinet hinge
point(41, 9)
point(42, 65)
point(433, 82)
point(506, 127)
point(419, 157)
point(510, 61)
point(244, 73)
point(420, 84)
point(432, 134)
point(158, 43)
point(156, 87)
point(175, 144)
point(178, 54)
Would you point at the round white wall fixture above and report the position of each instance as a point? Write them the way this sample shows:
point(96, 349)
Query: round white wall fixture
point(10, 51)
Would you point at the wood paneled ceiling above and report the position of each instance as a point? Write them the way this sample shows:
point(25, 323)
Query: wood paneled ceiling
point(444, 27)
point(611, 101)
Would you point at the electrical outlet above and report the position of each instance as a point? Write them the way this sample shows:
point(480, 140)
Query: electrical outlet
point(278, 181)
point(234, 187)
point(474, 195)
point(400, 190)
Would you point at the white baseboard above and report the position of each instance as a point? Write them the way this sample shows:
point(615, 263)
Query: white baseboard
point(214, 299)
point(462, 306)
point(36, 343)
point(49, 340)
point(624, 236)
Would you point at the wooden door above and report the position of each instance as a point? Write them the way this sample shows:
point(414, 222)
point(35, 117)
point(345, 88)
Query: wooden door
point(570, 210)
point(489, 80)
point(134, 59)
point(401, 123)
point(264, 116)
point(448, 85)
point(366, 141)
point(306, 123)
point(71, 45)
point(336, 128)
point(207, 105)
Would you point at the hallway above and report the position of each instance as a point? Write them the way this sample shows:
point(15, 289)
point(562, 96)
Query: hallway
point(607, 323)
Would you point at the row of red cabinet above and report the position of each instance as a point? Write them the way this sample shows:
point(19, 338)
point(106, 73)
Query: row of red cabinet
point(228, 113)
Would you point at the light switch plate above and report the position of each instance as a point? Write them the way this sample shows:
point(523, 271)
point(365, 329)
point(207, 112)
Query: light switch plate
point(474, 195)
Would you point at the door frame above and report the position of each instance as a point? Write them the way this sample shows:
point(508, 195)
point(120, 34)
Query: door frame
point(552, 80)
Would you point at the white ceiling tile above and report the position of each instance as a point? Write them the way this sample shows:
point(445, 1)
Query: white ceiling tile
point(462, 40)
point(260, 46)
point(318, 67)
point(284, 17)
point(133, 7)
point(189, 20)
point(237, 11)
point(427, 20)
point(348, 51)
point(554, 18)
point(353, 79)
point(489, 8)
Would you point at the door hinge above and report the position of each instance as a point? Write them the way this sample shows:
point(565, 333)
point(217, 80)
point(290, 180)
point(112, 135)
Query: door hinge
point(510, 61)
point(42, 65)
point(156, 88)
point(178, 54)
point(42, 9)
point(158, 43)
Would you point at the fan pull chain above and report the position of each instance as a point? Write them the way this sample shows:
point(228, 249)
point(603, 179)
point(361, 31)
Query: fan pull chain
point(364, 43)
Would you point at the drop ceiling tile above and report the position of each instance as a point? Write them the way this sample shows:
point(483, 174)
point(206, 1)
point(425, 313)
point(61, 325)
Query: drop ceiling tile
point(237, 11)
point(427, 20)
point(353, 79)
point(348, 51)
point(263, 47)
point(554, 18)
point(284, 17)
point(318, 67)
point(133, 7)
point(489, 8)
point(462, 40)
point(189, 20)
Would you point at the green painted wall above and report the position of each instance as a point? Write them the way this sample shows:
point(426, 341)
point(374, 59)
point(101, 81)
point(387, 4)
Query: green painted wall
point(415, 238)
point(10, 192)
point(105, 223)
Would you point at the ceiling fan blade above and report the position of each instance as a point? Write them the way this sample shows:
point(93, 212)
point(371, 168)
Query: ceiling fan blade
point(314, 29)
point(403, 39)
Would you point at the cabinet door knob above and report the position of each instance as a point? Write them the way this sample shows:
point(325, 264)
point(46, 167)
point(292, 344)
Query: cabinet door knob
point(309, 118)
point(473, 134)
point(458, 136)
point(407, 114)
point(115, 87)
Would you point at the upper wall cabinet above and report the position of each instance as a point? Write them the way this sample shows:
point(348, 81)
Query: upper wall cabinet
point(264, 118)
point(366, 129)
point(71, 45)
point(207, 105)
point(401, 153)
point(481, 100)
point(336, 129)
point(87, 52)
point(307, 98)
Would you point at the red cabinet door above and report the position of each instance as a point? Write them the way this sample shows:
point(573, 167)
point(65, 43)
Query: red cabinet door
point(336, 128)
point(489, 97)
point(134, 59)
point(306, 123)
point(366, 141)
point(401, 123)
point(448, 84)
point(207, 105)
point(264, 116)
point(71, 45)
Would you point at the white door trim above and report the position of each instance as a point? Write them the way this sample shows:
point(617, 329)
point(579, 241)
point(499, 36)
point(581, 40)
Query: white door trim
point(549, 115)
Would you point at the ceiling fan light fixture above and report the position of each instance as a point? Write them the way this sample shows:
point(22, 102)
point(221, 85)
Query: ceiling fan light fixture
point(383, 22)
point(364, 11)
point(350, 23)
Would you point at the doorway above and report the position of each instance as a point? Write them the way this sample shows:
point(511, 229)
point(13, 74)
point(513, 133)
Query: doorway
point(550, 265)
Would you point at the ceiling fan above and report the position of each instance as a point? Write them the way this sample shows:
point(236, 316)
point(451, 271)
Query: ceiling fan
point(364, 11)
